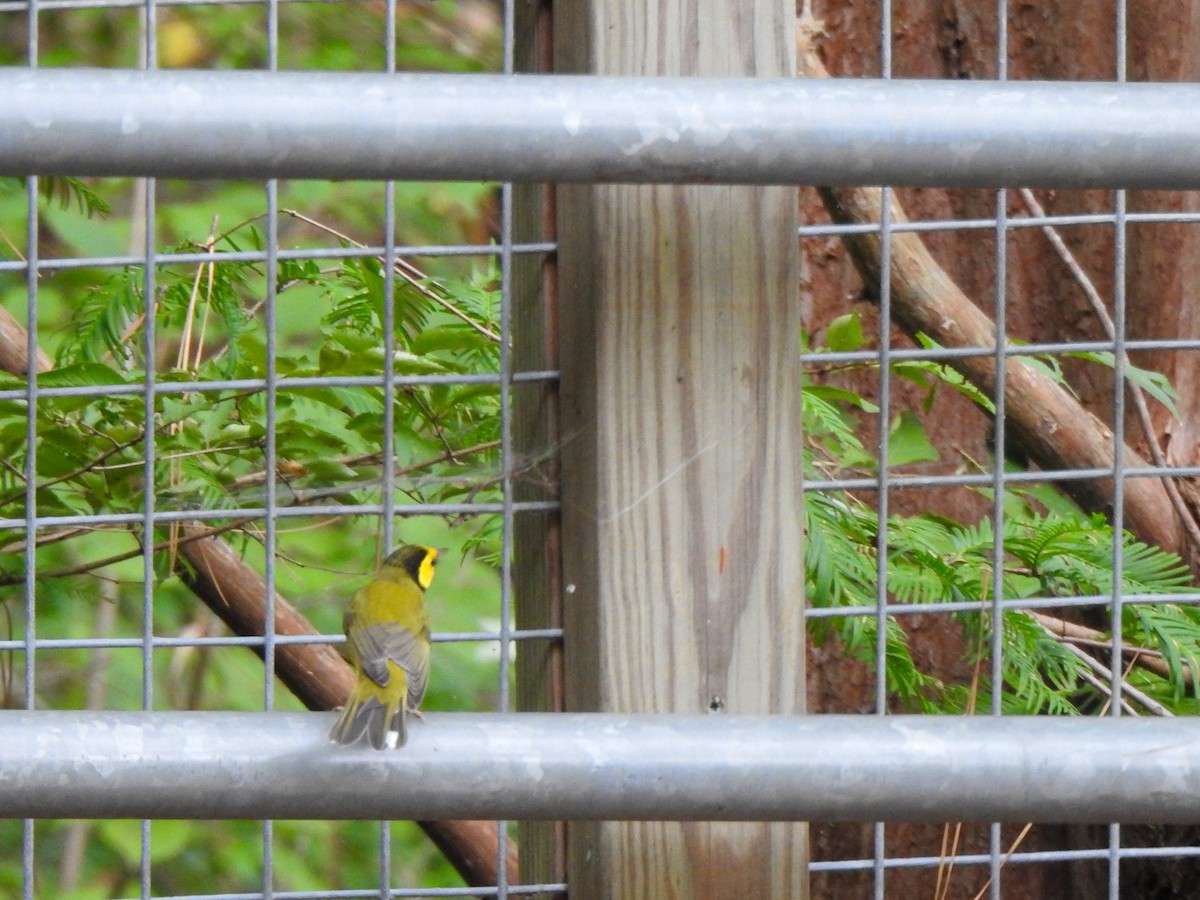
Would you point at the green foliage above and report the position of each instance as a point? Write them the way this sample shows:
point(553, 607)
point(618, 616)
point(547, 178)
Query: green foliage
point(1048, 549)
point(1153, 383)
point(209, 446)
point(65, 191)
point(209, 443)
point(431, 36)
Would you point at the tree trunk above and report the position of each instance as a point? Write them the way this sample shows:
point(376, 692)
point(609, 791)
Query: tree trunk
point(1051, 40)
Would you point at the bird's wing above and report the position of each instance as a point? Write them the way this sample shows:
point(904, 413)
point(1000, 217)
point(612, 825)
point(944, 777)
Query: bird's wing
point(418, 671)
point(375, 645)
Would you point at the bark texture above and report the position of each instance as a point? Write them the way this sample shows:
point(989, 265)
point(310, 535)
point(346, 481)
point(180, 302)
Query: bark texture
point(1044, 302)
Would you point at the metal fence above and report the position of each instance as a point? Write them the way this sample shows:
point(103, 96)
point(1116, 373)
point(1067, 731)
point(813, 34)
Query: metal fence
point(57, 858)
point(229, 125)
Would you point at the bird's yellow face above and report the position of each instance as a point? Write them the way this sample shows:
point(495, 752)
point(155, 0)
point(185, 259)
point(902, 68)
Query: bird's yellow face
point(412, 561)
point(425, 569)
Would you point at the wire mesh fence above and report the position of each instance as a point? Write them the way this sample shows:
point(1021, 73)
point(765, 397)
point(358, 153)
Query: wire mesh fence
point(1084, 242)
point(292, 377)
point(306, 374)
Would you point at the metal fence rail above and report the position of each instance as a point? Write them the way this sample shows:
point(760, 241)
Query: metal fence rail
point(579, 766)
point(563, 128)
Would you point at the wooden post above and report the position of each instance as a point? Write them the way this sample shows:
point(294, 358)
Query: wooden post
point(537, 562)
point(681, 455)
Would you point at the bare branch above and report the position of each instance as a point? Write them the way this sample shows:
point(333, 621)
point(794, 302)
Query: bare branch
point(316, 673)
point(1050, 424)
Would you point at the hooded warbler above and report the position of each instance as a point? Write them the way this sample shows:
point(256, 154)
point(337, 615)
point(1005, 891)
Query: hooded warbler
point(387, 635)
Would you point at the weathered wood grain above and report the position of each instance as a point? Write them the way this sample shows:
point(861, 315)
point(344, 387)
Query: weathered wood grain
point(681, 460)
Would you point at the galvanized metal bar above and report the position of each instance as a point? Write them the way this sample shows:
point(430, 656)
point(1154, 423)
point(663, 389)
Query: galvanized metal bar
point(583, 766)
point(534, 128)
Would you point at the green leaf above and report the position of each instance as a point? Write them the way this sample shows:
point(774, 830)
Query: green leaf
point(946, 374)
point(64, 189)
point(1153, 383)
point(908, 442)
point(59, 451)
point(451, 338)
point(1050, 367)
point(837, 394)
point(1156, 385)
point(330, 471)
point(170, 837)
point(82, 374)
point(412, 364)
point(844, 333)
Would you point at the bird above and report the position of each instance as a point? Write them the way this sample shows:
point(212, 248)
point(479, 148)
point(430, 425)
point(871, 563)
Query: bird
point(387, 636)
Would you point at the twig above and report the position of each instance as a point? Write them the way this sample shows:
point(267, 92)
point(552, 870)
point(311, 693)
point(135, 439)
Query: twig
point(1139, 396)
point(405, 270)
point(451, 456)
point(174, 457)
point(84, 568)
point(1098, 669)
point(945, 867)
point(1007, 856)
point(1145, 657)
point(1106, 687)
point(211, 269)
point(51, 537)
point(1045, 419)
point(430, 417)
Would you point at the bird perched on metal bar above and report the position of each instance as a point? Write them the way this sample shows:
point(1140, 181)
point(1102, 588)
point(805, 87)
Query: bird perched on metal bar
point(387, 635)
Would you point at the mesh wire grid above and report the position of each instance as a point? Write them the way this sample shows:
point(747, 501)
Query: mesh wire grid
point(57, 858)
point(276, 509)
point(876, 873)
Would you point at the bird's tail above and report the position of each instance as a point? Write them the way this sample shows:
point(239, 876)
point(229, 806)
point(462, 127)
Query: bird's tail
point(384, 725)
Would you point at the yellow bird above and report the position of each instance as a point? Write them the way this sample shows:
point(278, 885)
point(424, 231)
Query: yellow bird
point(387, 634)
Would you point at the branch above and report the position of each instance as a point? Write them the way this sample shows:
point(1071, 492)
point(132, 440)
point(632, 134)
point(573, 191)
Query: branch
point(1045, 419)
point(1072, 632)
point(410, 273)
point(1138, 395)
point(315, 673)
point(321, 679)
point(1102, 680)
point(14, 350)
point(449, 455)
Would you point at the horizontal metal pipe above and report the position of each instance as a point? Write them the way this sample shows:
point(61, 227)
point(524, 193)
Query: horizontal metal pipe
point(526, 128)
point(535, 766)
